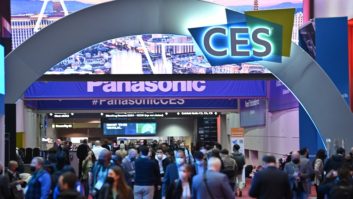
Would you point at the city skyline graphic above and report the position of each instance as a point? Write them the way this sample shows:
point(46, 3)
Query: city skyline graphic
point(144, 54)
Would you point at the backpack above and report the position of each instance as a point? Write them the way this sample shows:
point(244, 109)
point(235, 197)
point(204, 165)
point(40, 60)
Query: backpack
point(240, 161)
point(229, 169)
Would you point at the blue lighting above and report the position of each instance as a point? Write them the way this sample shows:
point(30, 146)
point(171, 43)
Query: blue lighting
point(2, 70)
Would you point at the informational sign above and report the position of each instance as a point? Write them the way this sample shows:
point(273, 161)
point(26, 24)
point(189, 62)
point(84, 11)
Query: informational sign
point(252, 112)
point(237, 137)
point(132, 104)
point(146, 89)
point(281, 98)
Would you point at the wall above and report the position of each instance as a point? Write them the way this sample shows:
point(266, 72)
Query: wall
point(31, 128)
point(278, 137)
point(333, 8)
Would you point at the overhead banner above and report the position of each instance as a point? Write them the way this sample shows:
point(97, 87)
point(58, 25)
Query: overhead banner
point(146, 89)
point(252, 112)
point(280, 97)
point(133, 104)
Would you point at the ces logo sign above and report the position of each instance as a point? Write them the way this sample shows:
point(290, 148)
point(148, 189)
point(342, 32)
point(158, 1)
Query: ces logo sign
point(253, 36)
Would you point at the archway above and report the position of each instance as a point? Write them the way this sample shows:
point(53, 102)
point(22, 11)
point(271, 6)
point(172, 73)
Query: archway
point(300, 73)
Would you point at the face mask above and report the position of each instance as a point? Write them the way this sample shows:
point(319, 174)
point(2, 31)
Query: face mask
point(295, 161)
point(159, 156)
point(110, 180)
point(33, 169)
point(179, 161)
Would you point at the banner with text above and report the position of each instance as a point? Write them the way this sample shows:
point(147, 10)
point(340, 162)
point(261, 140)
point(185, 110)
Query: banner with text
point(146, 89)
point(133, 104)
point(252, 112)
point(280, 97)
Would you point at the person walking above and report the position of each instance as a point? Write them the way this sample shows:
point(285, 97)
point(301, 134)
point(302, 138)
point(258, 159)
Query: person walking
point(68, 184)
point(87, 165)
point(270, 183)
point(82, 153)
point(116, 186)
point(172, 171)
point(146, 176)
point(230, 167)
point(97, 148)
point(306, 172)
point(319, 171)
point(181, 188)
point(99, 172)
point(293, 170)
point(200, 165)
point(212, 184)
point(129, 166)
point(39, 185)
point(14, 179)
point(4, 185)
point(240, 161)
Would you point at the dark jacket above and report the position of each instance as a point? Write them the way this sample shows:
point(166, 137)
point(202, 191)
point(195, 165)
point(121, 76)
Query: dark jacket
point(175, 190)
point(70, 194)
point(217, 185)
point(170, 176)
point(147, 172)
point(270, 183)
point(240, 160)
point(335, 189)
point(14, 191)
point(334, 163)
point(4, 187)
point(82, 151)
point(107, 193)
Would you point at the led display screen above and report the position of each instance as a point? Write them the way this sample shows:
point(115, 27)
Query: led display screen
point(135, 55)
point(130, 128)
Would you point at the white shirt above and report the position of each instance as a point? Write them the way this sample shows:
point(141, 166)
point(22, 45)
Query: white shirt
point(186, 191)
point(97, 150)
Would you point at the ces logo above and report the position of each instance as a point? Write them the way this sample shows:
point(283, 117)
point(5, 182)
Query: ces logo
point(253, 36)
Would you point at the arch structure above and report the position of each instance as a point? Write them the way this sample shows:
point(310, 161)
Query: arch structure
point(299, 72)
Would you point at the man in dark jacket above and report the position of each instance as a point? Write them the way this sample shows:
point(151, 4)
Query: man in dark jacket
point(336, 161)
point(270, 182)
point(146, 176)
point(172, 172)
point(14, 180)
point(67, 183)
point(240, 162)
point(82, 153)
point(4, 185)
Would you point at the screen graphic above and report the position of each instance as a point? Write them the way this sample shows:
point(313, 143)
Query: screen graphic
point(130, 128)
point(142, 54)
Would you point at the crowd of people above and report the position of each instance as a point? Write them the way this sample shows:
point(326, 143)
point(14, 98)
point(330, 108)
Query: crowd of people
point(173, 171)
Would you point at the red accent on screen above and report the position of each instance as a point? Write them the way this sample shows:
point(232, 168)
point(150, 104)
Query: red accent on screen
point(350, 57)
point(306, 10)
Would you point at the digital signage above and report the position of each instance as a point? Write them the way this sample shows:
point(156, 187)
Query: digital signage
point(130, 128)
point(141, 54)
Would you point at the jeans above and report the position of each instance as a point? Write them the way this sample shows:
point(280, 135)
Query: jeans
point(143, 192)
point(239, 182)
point(300, 195)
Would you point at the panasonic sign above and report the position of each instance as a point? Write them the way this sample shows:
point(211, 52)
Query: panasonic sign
point(147, 86)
